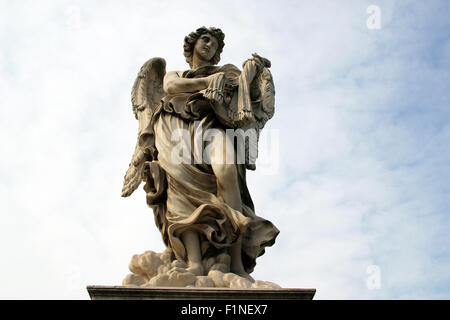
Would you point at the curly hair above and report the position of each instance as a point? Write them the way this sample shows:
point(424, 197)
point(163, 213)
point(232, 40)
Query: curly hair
point(191, 40)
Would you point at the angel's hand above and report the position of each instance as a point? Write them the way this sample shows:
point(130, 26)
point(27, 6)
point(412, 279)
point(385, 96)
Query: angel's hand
point(259, 62)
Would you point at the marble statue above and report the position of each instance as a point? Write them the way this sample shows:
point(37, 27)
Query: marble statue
point(198, 134)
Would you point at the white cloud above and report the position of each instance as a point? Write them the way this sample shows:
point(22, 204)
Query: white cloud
point(362, 117)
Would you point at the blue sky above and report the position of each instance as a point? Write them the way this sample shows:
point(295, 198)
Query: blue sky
point(363, 155)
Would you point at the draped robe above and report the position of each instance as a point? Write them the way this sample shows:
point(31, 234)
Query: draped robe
point(184, 195)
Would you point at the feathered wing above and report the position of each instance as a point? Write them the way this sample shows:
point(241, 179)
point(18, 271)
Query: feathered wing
point(146, 96)
point(267, 97)
point(263, 108)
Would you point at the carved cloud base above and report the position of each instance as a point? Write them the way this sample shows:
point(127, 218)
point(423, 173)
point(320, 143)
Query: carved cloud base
point(152, 269)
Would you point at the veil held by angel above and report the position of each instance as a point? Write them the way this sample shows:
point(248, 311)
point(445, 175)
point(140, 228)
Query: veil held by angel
point(201, 209)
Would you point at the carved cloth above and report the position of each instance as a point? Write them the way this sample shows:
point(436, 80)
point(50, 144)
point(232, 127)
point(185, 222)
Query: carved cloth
point(184, 196)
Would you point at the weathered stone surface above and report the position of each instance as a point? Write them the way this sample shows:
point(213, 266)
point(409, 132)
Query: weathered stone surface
point(208, 263)
point(174, 278)
point(228, 278)
point(204, 282)
point(209, 220)
point(163, 270)
point(220, 267)
point(149, 263)
point(135, 267)
point(133, 280)
point(140, 293)
point(161, 280)
point(167, 256)
point(178, 264)
point(240, 283)
point(258, 284)
point(217, 278)
point(224, 259)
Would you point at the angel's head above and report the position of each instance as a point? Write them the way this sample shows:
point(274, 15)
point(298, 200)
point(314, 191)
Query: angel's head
point(202, 34)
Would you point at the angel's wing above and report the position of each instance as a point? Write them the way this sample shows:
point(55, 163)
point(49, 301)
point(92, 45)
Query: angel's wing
point(263, 108)
point(266, 106)
point(146, 97)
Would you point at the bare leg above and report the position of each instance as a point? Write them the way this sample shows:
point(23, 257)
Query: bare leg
point(228, 190)
point(224, 168)
point(236, 260)
point(192, 245)
point(228, 185)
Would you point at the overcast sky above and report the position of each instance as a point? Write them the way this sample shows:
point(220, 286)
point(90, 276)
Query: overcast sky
point(359, 181)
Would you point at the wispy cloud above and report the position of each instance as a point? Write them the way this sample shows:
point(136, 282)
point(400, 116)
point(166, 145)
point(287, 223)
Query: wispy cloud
point(362, 114)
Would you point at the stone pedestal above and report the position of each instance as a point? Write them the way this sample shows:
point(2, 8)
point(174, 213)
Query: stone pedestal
point(159, 293)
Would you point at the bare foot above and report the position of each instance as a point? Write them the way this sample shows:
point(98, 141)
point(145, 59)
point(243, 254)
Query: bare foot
point(196, 269)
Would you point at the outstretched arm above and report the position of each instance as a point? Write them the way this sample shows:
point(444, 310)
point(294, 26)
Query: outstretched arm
point(174, 84)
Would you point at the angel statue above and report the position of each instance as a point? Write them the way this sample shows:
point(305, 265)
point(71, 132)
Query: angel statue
point(200, 200)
